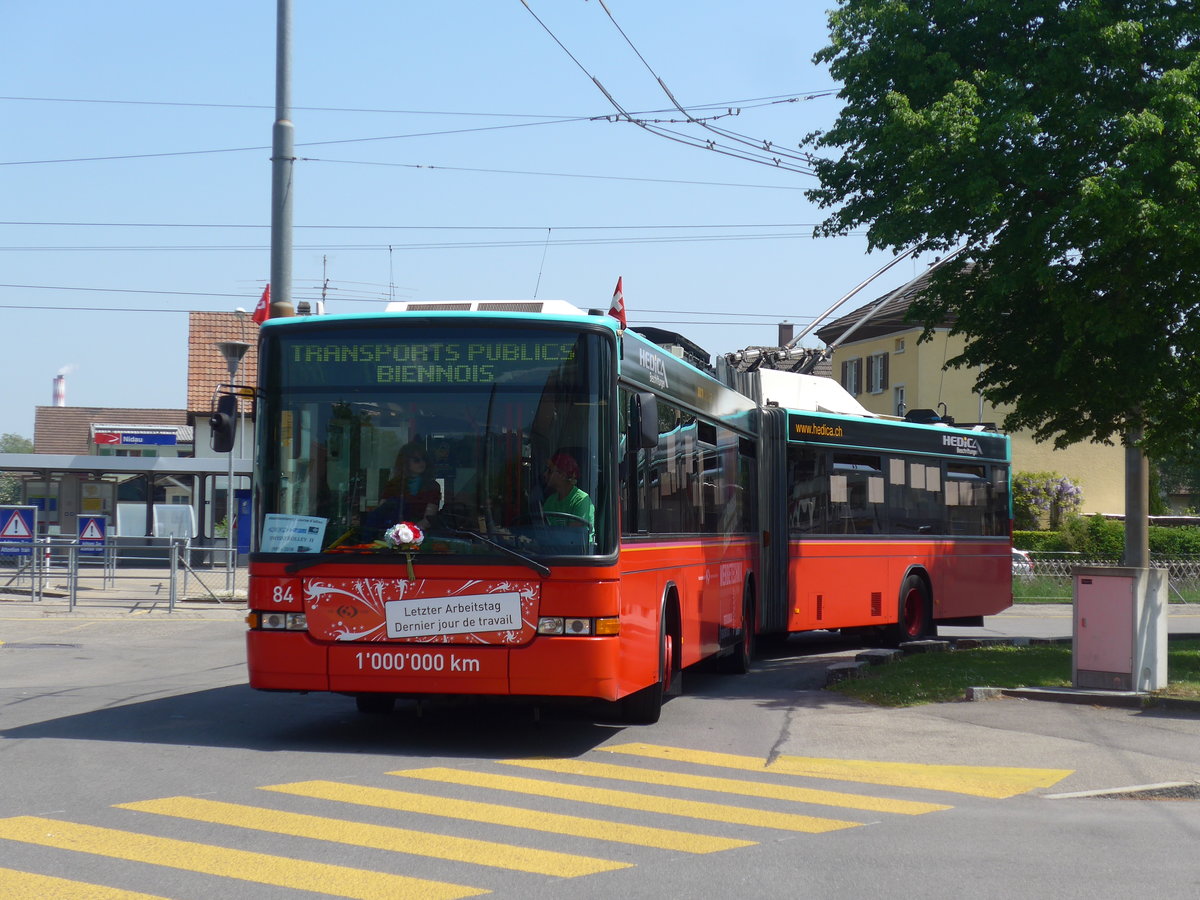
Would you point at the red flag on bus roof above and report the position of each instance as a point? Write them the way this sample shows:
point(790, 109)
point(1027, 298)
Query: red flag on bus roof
point(264, 306)
point(617, 310)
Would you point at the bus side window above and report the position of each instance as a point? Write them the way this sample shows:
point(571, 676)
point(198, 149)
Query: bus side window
point(628, 477)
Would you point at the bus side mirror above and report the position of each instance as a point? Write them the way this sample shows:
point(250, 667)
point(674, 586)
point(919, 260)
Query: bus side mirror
point(647, 420)
point(223, 424)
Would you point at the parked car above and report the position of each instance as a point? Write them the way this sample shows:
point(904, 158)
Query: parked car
point(1022, 565)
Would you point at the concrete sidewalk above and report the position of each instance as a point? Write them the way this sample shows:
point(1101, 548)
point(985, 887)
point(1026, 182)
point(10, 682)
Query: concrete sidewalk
point(127, 588)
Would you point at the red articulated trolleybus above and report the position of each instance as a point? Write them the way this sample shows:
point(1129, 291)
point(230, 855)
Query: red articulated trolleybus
point(501, 499)
point(518, 499)
point(887, 527)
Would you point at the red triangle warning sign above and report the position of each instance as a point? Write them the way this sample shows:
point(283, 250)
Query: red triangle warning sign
point(16, 527)
point(91, 531)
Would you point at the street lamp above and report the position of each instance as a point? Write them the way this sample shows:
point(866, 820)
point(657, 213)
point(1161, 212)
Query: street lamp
point(232, 351)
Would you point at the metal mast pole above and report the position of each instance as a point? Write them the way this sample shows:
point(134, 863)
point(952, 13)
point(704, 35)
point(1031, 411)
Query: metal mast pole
point(283, 163)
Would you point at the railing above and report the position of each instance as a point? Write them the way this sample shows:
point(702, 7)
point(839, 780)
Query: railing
point(1051, 576)
point(161, 571)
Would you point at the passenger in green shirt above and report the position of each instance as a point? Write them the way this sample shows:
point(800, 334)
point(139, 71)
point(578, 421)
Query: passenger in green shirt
point(562, 475)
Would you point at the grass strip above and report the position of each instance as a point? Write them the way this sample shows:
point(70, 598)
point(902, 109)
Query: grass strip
point(945, 677)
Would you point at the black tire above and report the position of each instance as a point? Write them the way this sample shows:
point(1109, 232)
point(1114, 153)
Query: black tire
point(739, 660)
point(915, 615)
point(644, 707)
point(375, 704)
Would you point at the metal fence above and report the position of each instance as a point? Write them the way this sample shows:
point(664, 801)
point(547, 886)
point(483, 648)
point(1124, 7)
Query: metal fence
point(1051, 576)
point(160, 572)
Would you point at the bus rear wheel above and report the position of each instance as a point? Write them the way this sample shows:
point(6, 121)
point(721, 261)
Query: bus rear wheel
point(916, 612)
point(737, 662)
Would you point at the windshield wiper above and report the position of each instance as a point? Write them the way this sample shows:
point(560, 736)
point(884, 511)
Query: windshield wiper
point(538, 567)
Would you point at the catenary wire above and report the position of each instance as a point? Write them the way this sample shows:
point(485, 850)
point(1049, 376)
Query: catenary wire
point(706, 144)
point(740, 138)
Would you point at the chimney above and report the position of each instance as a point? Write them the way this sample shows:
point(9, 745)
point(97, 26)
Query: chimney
point(786, 330)
point(60, 390)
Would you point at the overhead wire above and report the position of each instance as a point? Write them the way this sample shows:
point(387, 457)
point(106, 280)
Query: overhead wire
point(312, 294)
point(770, 187)
point(544, 120)
point(625, 115)
point(749, 103)
point(417, 227)
point(443, 245)
point(307, 143)
point(316, 296)
point(740, 138)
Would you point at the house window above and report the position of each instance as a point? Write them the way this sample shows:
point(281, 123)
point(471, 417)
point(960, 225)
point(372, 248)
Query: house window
point(852, 376)
point(899, 403)
point(877, 373)
point(899, 345)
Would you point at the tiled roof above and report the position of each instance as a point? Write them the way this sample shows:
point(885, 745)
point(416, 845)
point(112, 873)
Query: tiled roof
point(890, 318)
point(68, 429)
point(206, 365)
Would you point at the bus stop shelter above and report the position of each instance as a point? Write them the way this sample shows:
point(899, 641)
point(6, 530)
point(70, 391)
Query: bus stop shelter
point(64, 488)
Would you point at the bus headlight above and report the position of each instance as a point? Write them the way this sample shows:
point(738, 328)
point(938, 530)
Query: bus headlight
point(573, 625)
point(277, 621)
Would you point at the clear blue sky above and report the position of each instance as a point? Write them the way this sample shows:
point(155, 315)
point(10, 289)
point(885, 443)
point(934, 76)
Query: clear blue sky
point(517, 204)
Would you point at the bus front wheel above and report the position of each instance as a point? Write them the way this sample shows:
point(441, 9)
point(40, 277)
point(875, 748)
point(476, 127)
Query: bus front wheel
point(645, 706)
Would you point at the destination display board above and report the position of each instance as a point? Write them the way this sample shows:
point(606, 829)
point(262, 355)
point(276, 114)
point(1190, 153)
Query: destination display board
point(861, 433)
point(418, 357)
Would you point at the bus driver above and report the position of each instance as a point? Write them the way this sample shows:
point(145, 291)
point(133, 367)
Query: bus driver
point(565, 496)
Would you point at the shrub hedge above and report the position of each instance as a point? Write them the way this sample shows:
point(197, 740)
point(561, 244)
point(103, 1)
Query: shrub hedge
point(1096, 537)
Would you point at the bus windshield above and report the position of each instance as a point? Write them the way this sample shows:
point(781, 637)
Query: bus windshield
point(489, 439)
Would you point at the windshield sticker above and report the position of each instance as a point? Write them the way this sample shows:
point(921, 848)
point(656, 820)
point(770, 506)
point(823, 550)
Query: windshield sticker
point(292, 534)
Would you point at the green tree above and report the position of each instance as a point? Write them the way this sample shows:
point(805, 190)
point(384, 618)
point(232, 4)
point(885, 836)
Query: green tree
point(1058, 142)
point(10, 486)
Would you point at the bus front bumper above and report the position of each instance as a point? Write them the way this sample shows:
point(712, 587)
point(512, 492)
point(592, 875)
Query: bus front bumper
point(560, 666)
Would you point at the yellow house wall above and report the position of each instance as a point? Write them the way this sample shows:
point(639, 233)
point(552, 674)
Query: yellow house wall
point(1098, 469)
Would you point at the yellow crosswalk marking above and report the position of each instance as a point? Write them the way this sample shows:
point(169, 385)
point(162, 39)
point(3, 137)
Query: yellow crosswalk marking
point(261, 868)
point(16, 885)
point(379, 837)
point(978, 781)
point(510, 816)
point(694, 809)
point(729, 786)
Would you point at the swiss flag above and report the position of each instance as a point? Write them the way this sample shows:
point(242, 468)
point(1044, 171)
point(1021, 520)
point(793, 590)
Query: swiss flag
point(617, 310)
point(264, 306)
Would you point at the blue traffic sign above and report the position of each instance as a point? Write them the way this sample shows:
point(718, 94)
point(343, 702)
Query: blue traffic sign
point(93, 532)
point(18, 527)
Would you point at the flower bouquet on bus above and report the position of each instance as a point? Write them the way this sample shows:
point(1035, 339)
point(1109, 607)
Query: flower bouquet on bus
point(404, 537)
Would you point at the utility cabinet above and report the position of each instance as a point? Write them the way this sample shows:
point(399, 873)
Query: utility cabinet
point(1119, 638)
